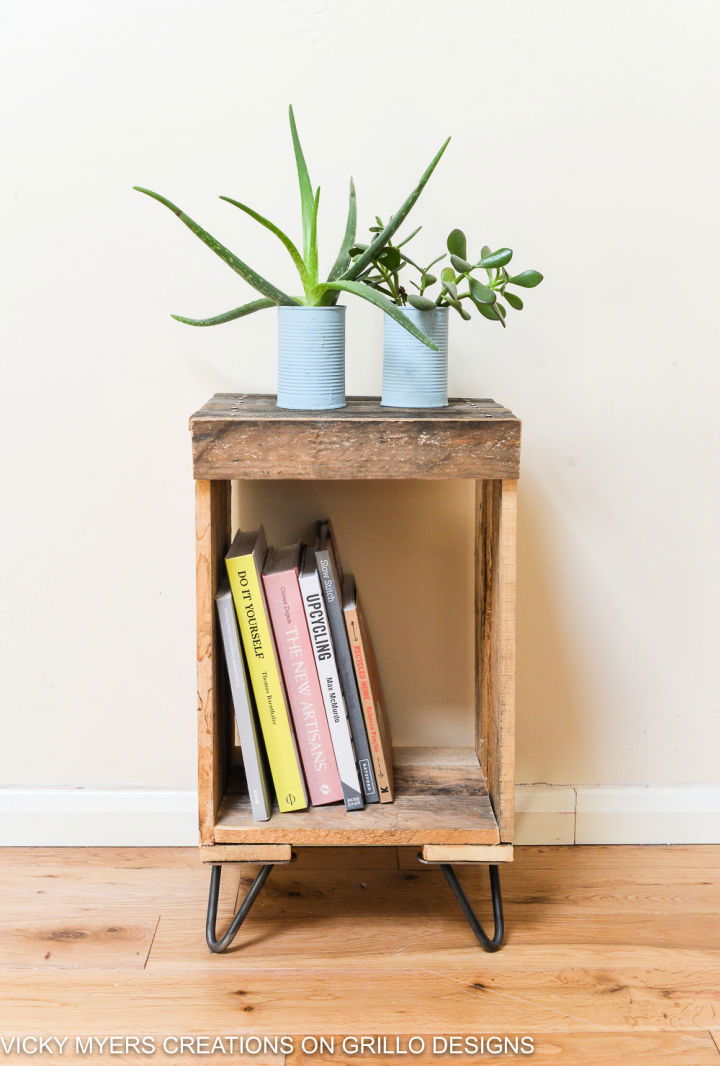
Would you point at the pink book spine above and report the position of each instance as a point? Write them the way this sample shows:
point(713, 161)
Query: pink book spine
point(303, 688)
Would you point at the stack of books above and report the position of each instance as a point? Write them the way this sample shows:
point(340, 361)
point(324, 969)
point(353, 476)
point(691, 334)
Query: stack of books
point(303, 677)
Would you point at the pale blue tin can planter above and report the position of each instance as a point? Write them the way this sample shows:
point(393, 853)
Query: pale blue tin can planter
point(311, 358)
point(413, 374)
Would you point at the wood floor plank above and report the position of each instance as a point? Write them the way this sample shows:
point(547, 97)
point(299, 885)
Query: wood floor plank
point(96, 938)
point(363, 892)
point(453, 996)
point(715, 1034)
point(179, 941)
point(560, 1049)
point(602, 942)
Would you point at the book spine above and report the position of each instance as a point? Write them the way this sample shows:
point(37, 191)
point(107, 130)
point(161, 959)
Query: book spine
point(335, 709)
point(302, 686)
point(369, 697)
point(247, 732)
point(267, 683)
point(333, 604)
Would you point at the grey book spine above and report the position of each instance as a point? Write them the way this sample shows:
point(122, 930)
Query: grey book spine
point(343, 658)
point(250, 744)
point(335, 709)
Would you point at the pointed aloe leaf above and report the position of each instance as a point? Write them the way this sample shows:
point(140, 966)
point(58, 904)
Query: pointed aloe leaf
point(395, 222)
point(251, 276)
point(307, 200)
point(291, 247)
point(343, 257)
point(528, 279)
point(406, 240)
point(227, 316)
point(312, 260)
point(457, 244)
point(373, 297)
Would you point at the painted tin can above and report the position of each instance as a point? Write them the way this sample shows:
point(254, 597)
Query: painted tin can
point(311, 358)
point(413, 374)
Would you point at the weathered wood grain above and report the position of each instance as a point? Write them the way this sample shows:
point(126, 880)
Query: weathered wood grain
point(495, 607)
point(212, 526)
point(237, 436)
point(255, 853)
point(464, 853)
point(441, 798)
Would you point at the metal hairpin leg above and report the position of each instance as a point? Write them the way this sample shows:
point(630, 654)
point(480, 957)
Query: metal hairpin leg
point(481, 936)
point(220, 944)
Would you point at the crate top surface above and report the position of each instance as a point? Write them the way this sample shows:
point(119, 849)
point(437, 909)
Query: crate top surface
point(236, 435)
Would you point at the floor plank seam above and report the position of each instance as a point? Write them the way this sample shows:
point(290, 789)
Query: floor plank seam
point(152, 941)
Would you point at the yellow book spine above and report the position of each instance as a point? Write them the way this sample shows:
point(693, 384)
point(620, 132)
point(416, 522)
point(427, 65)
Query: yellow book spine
point(267, 684)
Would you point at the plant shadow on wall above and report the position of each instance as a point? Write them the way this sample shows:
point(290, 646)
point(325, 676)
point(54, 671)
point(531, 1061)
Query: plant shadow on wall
point(311, 327)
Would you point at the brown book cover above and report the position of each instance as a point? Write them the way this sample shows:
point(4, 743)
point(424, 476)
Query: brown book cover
point(370, 690)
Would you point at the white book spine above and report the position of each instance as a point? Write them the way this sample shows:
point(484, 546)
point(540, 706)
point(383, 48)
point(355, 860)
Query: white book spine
point(335, 709)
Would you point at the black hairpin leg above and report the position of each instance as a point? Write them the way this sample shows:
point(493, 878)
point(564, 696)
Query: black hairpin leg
point(220, 944)
point(481, 936)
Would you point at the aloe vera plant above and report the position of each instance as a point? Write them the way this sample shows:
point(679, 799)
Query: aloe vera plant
point(346, 274)
point(488, 296)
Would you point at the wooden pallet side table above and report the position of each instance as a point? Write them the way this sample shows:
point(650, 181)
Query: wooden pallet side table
point(454, 804)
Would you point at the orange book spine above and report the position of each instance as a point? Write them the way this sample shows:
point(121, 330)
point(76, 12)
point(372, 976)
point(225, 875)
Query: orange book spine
point(368, 680)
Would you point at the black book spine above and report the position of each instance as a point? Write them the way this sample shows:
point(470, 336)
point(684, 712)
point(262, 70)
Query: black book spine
point(346, 670)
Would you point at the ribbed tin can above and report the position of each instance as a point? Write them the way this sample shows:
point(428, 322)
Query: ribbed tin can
point(311, 358)
point(413, 374)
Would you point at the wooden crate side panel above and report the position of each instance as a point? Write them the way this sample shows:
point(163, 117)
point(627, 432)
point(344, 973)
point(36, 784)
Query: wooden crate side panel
point(212, 520)
point(413, 448)
point(496, 580)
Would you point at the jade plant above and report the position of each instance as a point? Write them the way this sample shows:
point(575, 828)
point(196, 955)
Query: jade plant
point(487, 296)
point(349, 271)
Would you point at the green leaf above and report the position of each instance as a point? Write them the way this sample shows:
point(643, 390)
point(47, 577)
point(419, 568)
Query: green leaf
point(391, 258)
point(485, 250)
point(461, 265)
point(481, 293)
point(373, 297)
point(407, 239)
point(420, 303)
point(292, 249)
point(489, 312)
point(247, 273)
point(307, 200)
point(447, 274)
point(528, 279)
point(395, 222)
point(457, 244)
point(227, 316)
point(428, 280)
point(343, 257)
point(312, 259)
point(513, 300)
point(451, 287)
point(496, 259)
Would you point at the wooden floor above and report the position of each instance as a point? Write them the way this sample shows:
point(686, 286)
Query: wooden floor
point(612, 954)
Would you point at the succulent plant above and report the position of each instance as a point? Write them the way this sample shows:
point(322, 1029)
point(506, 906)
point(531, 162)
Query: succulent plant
point(485, 296)
point(348, 271)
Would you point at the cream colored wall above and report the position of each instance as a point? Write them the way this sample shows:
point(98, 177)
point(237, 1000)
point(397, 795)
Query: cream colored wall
point(584, 136)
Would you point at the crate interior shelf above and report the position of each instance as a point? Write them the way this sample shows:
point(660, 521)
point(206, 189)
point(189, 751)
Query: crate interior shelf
point(446, 798)
point(441, 798)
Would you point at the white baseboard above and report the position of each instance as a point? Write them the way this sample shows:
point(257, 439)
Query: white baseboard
point(546, 814)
